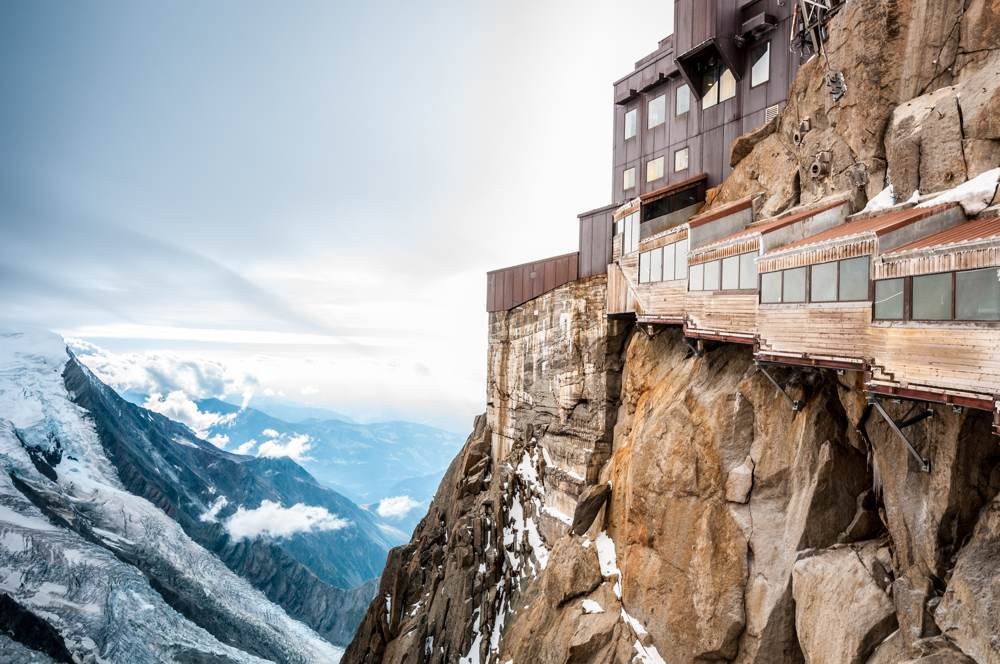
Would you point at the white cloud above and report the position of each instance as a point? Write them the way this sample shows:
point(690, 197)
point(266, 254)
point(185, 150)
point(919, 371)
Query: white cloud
point(293, 446)
point(246, 447)
point(396, 507)
point(219, 440)
point(273, 520)
point(212, 514)
point(269, 433)
point(179, 407)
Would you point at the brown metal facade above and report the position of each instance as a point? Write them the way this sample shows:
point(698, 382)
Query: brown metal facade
point(513, 286)
point(596, 231)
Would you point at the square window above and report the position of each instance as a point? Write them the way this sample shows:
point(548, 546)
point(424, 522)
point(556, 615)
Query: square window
point(978, 294)
point(669, 256)
point(628, 179)
point(681, 160)
point(682, 100)
point(770, 287)
point(631, 123)
point(727, 85)
point(760, 70)
point(793, 286)
point(889, 299)
point(823, 285)
point(932, 297)
point(713, 270)
point(654, 169)
point(731, 273)
point(748, 271)
point(696, 280)
point(854, 279)
point(657, 112)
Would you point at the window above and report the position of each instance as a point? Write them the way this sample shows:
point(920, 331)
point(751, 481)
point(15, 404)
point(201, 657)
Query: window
point(717, 85)
point(760, 70)
point(682, 260)
point(727, 85)
point(696, 280)
point(932, 297)
point(823, 287)
point(631, 240)
point(681, 160)
point(644, 267)
point(654, 169)
point(628, 179)
point(731, 273)
point(977, 294)
point(682, 100)
point(770, 287)
point(712, 273)
point(656, 265)
point(793, 286)
point(657, 112)
point(748, 271)
point(889, 299)
point(630, 123)
point(669, 256)
point(853, 286)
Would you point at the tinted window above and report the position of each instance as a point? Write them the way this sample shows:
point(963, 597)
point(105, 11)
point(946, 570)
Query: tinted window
point(794, 285)
point(731, 273)
point(932, 297)
point(696, 279)
point(668, 261)
point(681, 159)
point(824, 283)
point(630, 123)
point(977, 295)
point(712, 271)
point(748, 271)
point(654, 169)
point(709, 89)
point(854, 279)
point(889, 299)
point(770, 287)
point(657, 111)
point(760, 71)
point(656, 265)
point(682, 102)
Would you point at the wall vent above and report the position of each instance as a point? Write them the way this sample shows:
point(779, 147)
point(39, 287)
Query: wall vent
point(771, 112)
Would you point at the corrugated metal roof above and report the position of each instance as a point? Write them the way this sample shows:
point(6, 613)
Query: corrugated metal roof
point(719, 212)
point(774, 223)
point(970, 231)
point(879, 225)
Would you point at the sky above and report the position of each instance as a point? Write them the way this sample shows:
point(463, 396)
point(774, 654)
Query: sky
point(305, 194)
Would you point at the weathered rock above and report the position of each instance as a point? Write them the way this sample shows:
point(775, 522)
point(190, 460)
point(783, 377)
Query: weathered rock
point(745, 144)
point(970, 608)
point(826, 583)
point(890, 651)
point(574, 572)
point(591, 501)
point(740, 482)
point(938, 650)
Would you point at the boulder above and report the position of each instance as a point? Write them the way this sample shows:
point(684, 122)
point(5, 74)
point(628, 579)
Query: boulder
point(841, 611)
point(938, 650)
point(740, 482)
point(745, 144)
point(588, 506)
point(924, 144)
point(572, 571)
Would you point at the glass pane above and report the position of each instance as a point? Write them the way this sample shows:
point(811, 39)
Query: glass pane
point(697, 278)
point(889, 299)
point(978, 294)
point(770, 287)
point(748, 271)
point(727, 85)
point(683, 101)
point(644, 267)
point(793, 288)
point(709, 89)
point(628, 179)
point(682, 259)
point(630, 123)
point(824, 283)
point(731, 273)
point(668, 262)
point(657, 111)
point(656, 265)
point(854, 279)
point(681, 160)
point(654, 169)
point(712, 270)
point(932, 297)
point(761, 69)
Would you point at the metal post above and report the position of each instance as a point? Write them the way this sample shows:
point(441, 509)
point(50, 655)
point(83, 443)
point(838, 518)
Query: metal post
point(796, 404)
point(925, 465)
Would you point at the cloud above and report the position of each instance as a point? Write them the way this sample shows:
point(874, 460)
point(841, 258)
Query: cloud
point(211, 515)
point(396, 507)
point(294, 446)
point(246, 447)
point(219, 440)
point(269, 433)
point(309, 390)
point(273, 520)
point(177, 406)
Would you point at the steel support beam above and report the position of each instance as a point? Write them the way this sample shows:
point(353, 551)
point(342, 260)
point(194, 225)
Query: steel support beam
point(795, 403)
point(897, 428)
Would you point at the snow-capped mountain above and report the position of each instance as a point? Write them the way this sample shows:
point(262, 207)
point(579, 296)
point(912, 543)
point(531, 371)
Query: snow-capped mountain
point(125, 537)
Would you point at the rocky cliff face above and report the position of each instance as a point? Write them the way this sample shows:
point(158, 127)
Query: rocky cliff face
point(625, 500)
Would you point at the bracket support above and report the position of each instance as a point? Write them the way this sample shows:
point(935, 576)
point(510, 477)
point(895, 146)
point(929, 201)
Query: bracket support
point(796, 404)
point(897, 428)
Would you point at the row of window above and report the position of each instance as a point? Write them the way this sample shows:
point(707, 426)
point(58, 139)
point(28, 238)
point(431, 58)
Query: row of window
point(967, 295)
point(654, 168)
point(837, 281)
point(731, 273)
point(664, 264)
point(629, 227)
point(717, 85)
